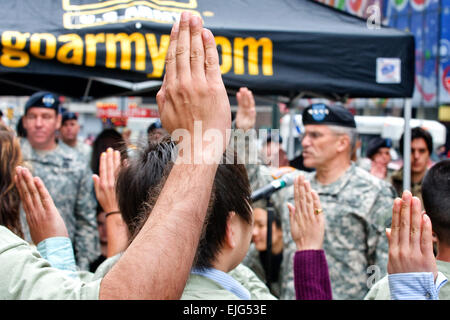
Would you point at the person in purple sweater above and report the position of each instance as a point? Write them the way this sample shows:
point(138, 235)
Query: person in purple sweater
point(311, 277)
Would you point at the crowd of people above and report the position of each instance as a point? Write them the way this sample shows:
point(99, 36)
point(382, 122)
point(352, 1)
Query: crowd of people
point(124, 221)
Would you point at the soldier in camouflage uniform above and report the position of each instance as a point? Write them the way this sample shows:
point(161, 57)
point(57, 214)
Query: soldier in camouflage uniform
point(356, 205)
point(65, 173)
point(68, 134)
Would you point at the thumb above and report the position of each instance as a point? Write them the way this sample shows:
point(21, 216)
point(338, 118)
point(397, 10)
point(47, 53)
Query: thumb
point(388, 234)
point(291, 209)
point(96, 179)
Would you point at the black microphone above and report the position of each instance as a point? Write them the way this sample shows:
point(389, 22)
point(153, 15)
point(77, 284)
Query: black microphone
point(278, 184)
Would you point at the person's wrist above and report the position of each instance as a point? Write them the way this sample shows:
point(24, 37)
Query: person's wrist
point(112, 213)
point(308, 246)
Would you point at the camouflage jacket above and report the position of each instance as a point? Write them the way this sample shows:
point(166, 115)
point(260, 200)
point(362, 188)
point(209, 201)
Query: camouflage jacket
point(357, 208)
point(81, 147)
point(397, 182)
point(68, 178)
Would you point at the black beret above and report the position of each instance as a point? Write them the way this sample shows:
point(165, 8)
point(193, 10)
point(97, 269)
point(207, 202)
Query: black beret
point(69, 116)
point(273, 136)
point(320, 113)
point(155, 125)
point(43, 99)
point(377, 143)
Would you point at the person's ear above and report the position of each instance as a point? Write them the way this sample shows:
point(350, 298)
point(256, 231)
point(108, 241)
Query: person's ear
point(230, 240)
point(434, 237)
point(343, 142)
point(58, 121)
point(25, 122)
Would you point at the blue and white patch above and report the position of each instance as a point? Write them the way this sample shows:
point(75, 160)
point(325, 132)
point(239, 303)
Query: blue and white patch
point(48, 100)
point(319, 111)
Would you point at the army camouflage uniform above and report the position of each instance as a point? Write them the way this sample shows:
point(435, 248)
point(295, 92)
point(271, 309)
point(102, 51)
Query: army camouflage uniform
point(81, 147)
point(68, 178)
point(397, 182)
point(357, 209)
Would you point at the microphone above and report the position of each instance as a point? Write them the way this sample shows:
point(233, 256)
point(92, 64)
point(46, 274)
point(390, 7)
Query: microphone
point(278, 184)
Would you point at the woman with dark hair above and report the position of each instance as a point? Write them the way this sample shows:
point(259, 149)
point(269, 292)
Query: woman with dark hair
point(108, 138)
point(10, 158)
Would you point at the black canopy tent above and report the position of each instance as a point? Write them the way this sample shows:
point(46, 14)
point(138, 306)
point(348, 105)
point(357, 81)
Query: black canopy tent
point(88, 49)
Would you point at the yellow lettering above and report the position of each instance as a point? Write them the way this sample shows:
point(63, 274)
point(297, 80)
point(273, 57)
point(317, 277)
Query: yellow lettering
point(50, 45)
point(74, 45)
point(12, 54)
point(253, 45)
point(158, 55)
point(225, 66)
point(125, 50)
point(91, 47)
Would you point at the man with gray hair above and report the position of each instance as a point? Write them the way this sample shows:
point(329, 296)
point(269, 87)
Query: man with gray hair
point(356, 205)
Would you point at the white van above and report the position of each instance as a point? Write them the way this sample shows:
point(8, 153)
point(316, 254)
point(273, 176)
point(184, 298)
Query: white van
point(369, 127)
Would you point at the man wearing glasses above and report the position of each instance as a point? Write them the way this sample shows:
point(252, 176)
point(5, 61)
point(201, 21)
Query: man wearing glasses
point(356, 205)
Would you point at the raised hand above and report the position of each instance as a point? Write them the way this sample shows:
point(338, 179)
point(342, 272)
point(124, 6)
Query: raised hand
point(410, 238)
point(105, 190)
point(246, 112)
point(306, 218)
point(44, 220)
point(105, 184)
point(192, 88)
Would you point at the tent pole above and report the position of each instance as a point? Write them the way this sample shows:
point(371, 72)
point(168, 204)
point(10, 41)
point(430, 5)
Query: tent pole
point(86, 92)
point(407, 145)
point(290, 151)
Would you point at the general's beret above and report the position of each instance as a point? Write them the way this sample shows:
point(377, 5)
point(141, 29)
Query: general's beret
point(320, 113)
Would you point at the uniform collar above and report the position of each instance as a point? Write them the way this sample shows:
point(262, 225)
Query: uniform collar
point(338, 185)
point(224, 280)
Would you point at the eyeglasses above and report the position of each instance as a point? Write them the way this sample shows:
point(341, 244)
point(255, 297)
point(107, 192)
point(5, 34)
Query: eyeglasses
point(314, 135)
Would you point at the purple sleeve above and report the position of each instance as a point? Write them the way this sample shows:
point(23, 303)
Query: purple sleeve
point(311, 278)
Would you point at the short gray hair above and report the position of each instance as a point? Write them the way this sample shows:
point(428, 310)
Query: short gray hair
point(352, 133)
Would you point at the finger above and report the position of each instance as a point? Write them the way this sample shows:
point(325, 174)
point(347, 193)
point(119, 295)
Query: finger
point(302, 193)
point(161, 96)
point(416, 223)
point(34, 194)
point(316, 203)
point(297, 183)
point(45, 196)
point(212, 69)
point(96, 179)
point(388, 234)
point(291, 213)
point(110, 166)
point(426, 241)
point(405, 220)
point(171, 68)
point(197, 50)
point(183, 48)
point(116, 163)
point(239, 98)
point(309, 200)
point(395, 223)
point(102, 168)
point(20, 188)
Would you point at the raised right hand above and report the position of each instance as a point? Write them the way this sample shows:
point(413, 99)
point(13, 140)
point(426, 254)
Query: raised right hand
point(410, 238)
point(193, 89)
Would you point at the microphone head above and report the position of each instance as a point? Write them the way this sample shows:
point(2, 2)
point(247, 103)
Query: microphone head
point(290, 177)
